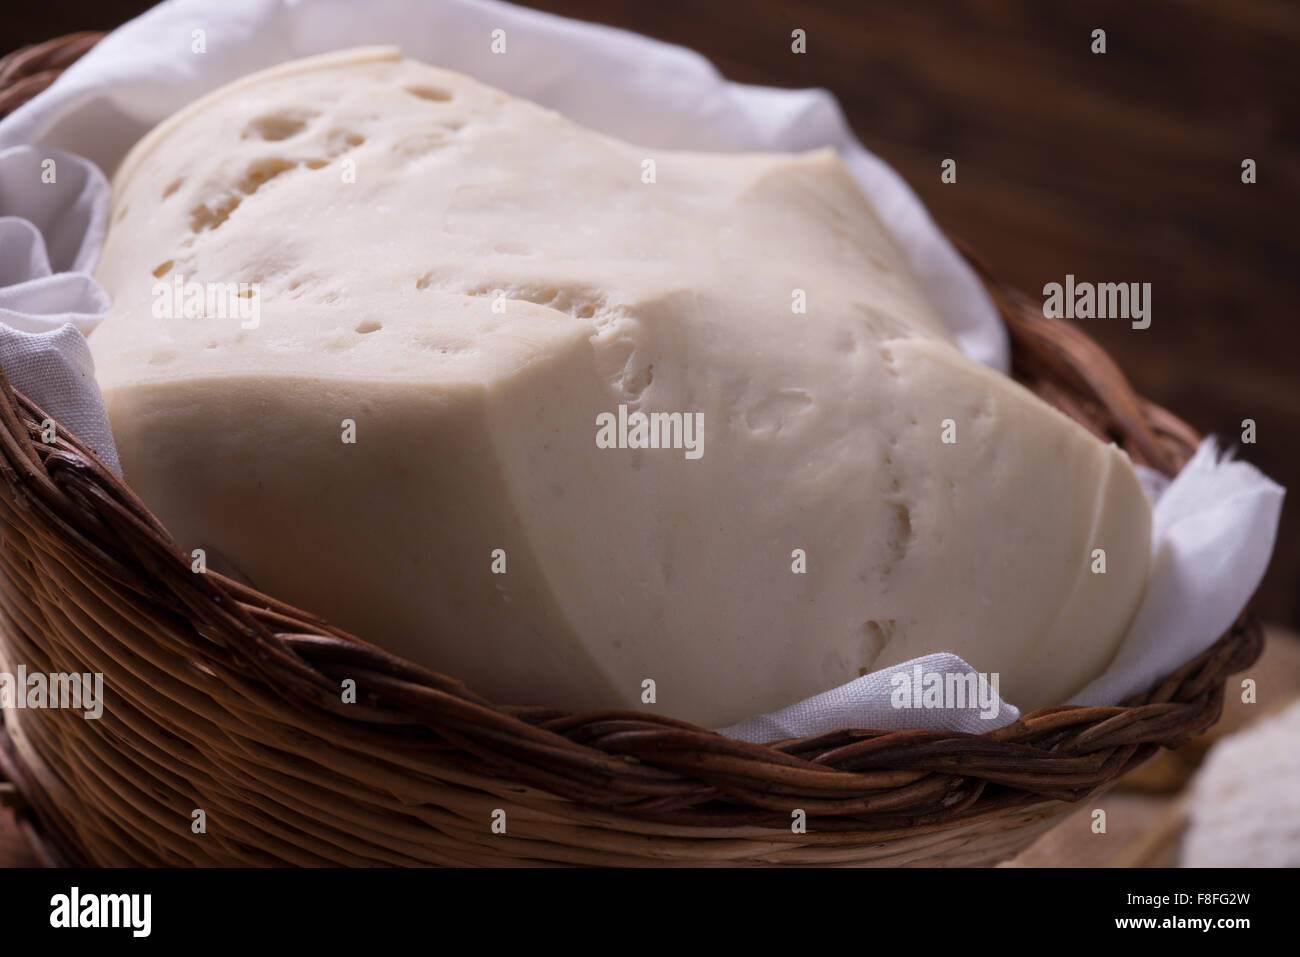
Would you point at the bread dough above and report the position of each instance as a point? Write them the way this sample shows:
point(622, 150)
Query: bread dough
point(471, 281)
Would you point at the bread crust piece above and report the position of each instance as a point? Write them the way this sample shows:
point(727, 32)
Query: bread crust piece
point(488, 282)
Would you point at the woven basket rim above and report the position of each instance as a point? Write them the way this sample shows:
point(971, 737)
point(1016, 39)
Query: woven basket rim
point(641, 765)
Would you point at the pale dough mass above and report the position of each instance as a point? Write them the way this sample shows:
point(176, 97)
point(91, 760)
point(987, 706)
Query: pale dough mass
point(475, 427)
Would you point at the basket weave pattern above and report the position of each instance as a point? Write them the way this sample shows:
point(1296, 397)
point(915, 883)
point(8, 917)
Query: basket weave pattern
point(223, 699)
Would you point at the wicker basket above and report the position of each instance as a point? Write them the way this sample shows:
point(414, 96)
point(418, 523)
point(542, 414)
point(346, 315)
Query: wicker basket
point(226, 700)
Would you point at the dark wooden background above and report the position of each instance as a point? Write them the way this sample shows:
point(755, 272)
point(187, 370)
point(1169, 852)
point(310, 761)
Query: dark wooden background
point(1122, 167)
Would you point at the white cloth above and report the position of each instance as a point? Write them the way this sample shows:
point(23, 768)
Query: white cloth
point(1212, 533)
point(892, 699)
point(53, 207)
point(621, 84)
